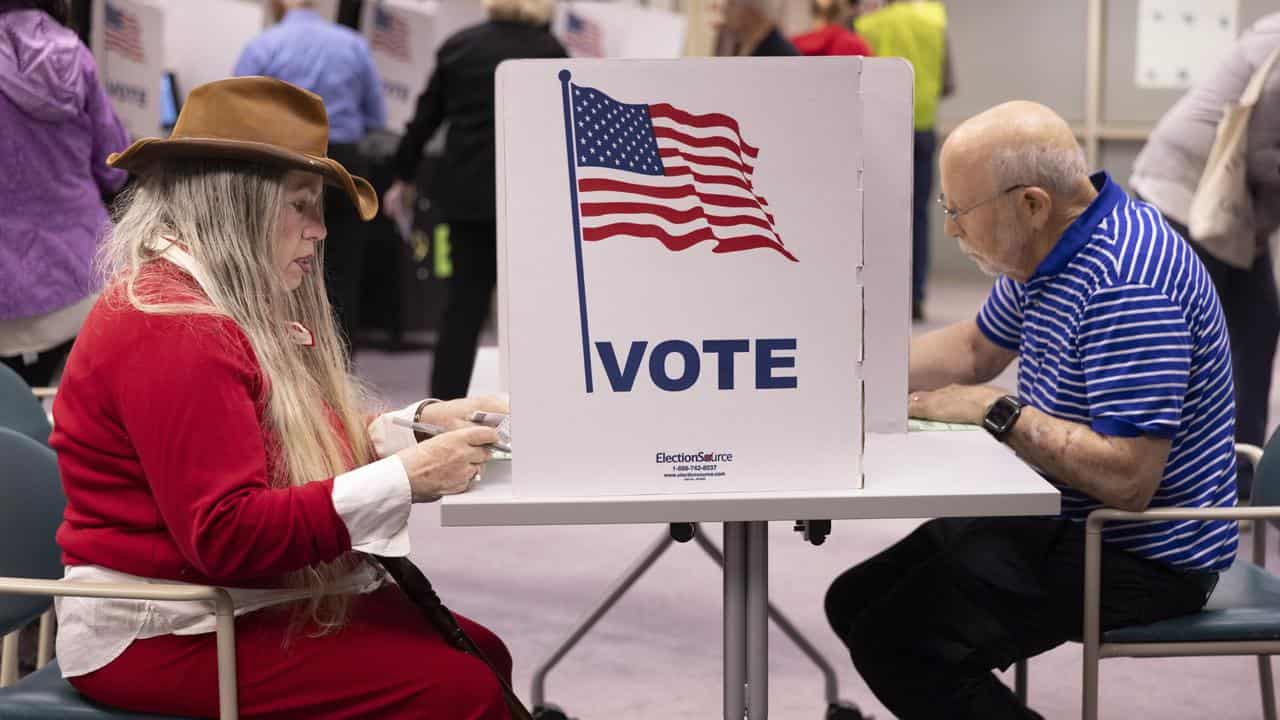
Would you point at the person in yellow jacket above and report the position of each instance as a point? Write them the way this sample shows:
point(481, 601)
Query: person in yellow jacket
point(916, 30)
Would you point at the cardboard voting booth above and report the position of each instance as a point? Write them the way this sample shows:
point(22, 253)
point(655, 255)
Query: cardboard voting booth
point(128, 41)
point(150, 53)
point(681, 263)
point(454, 15)
point(401, 41)
point(203, 40)
point(400, 35)
point(618, 30)
point(404, 36)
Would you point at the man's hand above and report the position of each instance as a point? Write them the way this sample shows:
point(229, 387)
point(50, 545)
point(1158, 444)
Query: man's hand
point(954, 403)
point(397, 201)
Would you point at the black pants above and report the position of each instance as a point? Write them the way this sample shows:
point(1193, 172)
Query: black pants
point(40, 373)
point(344, 250)
point(1252, 309)
point(927, 620)
point(474, 248)
point(921, 205)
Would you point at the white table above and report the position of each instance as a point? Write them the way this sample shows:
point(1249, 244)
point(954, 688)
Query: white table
point(911, 475)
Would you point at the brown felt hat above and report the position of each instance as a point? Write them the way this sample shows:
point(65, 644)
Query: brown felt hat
point(252, 118)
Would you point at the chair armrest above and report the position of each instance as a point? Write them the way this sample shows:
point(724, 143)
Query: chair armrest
point(1098, 518)
point(223, 607)
point(220, 598)
point(1105, 515)
point(1251, 453)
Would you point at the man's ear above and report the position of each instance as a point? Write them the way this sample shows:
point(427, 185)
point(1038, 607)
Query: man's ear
point(1037, 205)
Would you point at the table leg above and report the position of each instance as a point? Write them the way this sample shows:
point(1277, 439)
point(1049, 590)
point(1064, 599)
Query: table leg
point(758, 620)
point(830, 684)
point(735, 620)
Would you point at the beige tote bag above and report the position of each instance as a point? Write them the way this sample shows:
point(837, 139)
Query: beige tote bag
point(1221, 217)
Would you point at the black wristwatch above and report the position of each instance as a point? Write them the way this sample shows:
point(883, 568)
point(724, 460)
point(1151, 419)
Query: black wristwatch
point(1001, 416)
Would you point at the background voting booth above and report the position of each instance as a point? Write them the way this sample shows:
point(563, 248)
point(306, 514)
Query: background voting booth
point(703, 312)
point(150, 53)
point(128, 42)
point(619, 30)
point(404, 36)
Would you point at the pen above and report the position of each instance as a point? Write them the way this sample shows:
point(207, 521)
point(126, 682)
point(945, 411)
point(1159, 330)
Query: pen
point(433, 430)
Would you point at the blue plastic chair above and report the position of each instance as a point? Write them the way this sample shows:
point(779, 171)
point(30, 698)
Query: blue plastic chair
point(21, 411)
point(19, 408)
point(1242, 616)
point(31, 506)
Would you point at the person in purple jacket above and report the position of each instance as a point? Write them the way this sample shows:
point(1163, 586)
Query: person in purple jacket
point(56, 129)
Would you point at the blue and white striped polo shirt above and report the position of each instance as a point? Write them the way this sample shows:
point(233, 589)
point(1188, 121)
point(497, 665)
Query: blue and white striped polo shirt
point(1120, 329)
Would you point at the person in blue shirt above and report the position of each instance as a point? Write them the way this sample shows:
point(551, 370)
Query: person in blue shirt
point(333, 62)
point(1124, 399)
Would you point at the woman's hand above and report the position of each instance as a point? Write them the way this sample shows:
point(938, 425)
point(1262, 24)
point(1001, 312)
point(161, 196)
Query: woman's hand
point(454, 414)
point(446, 464)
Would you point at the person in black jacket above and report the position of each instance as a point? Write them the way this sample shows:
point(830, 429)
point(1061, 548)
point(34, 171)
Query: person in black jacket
point(461, 91)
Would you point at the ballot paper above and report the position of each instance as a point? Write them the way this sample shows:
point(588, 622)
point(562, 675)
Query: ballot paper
point(500, 422)
point(916, 425)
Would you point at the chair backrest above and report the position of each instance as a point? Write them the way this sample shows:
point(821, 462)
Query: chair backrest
point(1266, 479)
point(31, 505)
point(19, 409)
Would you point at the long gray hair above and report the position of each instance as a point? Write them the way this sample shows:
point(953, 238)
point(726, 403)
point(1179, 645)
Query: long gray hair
point(223, 216)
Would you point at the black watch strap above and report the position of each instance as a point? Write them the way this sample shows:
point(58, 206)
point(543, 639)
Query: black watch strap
point(417, 418)
point(1001, 416)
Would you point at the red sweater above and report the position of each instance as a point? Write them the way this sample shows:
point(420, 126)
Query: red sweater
point(161, 441)
point(831, 40)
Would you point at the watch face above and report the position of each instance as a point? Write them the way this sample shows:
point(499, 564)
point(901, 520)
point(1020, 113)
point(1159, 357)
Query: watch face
point(1001, 414)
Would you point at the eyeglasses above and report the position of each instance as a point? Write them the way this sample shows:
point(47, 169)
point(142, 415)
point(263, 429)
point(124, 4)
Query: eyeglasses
point(955, 215)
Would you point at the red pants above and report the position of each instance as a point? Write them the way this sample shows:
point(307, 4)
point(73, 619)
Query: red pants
point(387, 662)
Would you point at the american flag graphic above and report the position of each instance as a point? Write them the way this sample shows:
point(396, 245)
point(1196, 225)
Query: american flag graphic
point(582, 36)
point(390, 34)
point(122, 33)
point(662, 173)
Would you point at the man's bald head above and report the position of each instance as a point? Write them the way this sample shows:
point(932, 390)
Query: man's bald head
point(1018, 143)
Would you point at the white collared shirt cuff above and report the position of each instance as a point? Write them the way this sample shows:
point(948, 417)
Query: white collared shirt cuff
point(373, 502)
point(389, 438)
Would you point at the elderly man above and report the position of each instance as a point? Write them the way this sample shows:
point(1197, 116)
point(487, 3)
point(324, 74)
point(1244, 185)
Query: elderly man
point(333, 62)
point(1124, 400)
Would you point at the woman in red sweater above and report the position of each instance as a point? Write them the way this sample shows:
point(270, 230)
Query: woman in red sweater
point(207, 432)
point(829, 35)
